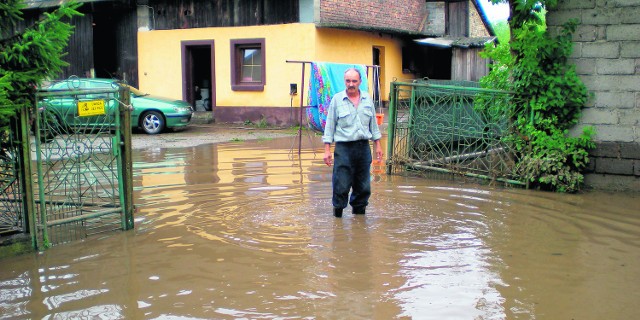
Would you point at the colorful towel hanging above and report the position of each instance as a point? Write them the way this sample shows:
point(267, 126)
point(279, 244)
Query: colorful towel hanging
point(326, 80)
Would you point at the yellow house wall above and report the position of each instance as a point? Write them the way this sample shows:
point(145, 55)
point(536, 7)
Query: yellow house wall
point(348, 46)
point(160, 66)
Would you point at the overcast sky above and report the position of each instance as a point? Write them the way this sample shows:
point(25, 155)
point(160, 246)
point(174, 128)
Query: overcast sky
point(497, 12)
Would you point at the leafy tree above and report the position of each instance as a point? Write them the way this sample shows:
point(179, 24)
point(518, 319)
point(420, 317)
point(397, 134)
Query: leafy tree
point(548, 97)
point(29, 54)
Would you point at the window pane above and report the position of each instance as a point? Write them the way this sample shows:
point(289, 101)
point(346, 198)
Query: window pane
point(257, 73)
point(248, 56)
point(257, 56)
point(251, 74)
point(251, 68)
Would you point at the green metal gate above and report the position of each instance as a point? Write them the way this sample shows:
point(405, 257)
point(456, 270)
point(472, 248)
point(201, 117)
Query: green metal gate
point(12, 217)
point(81, 164)
point(450, 127)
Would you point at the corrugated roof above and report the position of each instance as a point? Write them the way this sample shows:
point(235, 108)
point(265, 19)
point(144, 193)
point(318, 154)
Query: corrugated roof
point(460, 42)
point(34, 4)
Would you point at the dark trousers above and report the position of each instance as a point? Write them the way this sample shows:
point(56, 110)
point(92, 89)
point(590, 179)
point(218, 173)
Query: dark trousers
point(351, 169)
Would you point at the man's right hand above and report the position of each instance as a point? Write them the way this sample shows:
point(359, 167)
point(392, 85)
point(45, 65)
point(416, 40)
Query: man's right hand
point(328, 159)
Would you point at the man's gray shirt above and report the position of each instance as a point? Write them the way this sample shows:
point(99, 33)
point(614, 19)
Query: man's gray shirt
point(346, 123)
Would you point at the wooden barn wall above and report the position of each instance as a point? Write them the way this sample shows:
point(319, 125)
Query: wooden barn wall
point(466, 64)
point(458, 19)
point(127, 47)
point(171, 14)
point(79, 52)
point(80, 49)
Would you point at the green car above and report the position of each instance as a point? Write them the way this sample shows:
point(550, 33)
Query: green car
point(150, 113)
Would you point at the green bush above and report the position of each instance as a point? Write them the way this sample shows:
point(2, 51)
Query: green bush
point(548, 99)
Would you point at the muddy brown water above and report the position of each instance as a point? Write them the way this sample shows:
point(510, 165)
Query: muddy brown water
point(245, 231)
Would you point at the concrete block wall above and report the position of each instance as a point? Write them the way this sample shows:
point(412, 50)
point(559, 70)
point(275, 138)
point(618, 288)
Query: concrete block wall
point(607, 58)
point(396, 15)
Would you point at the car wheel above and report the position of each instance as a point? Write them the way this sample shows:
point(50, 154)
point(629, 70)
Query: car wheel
point(152, 122)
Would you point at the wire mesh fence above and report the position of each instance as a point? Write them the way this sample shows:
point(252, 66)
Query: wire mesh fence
point(452, 128)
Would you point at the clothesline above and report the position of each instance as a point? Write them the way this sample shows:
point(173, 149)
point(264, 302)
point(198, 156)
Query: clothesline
point(375, 84)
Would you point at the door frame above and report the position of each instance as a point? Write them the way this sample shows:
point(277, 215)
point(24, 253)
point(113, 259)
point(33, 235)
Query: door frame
point(187, 64)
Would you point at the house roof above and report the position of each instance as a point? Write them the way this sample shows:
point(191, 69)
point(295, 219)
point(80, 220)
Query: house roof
point(463, 42)
point(459, 42)
point(33, 4)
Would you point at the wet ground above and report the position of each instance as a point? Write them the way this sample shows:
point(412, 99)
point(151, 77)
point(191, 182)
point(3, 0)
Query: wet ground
point(243, 230)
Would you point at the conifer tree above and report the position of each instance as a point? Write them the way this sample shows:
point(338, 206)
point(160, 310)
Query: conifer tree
point(30, 53)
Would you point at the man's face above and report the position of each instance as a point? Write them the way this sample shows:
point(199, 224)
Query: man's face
point(352, 81)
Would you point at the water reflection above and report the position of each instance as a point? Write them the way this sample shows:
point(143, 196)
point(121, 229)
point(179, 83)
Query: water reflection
point(244, 230)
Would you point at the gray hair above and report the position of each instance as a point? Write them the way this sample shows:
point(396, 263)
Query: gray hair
point(353, 69)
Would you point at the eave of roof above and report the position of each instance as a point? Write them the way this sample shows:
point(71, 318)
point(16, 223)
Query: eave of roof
point(458, 42)
point(372, 29)
point(35, 4)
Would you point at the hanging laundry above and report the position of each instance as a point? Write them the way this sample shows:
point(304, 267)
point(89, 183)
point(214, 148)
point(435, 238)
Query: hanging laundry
point(327, 79)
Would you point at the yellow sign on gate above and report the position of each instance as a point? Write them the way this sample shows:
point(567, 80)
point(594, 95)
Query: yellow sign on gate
point(90, 108)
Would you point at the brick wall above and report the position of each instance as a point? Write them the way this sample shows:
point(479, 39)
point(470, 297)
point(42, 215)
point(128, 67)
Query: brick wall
point(476, 26)
point(607, 58)
point(392, 15)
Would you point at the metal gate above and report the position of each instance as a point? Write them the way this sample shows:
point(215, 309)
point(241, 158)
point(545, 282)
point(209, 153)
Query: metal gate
point(450, 127)
point(12, 218)
point(81, 164)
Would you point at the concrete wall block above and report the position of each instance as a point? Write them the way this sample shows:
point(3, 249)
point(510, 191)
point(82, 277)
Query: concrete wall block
point(614, 166)
point(577, 50)
point(638, 100)
point(630, 15)
point(601, 49)
point(630, 150)
point(614, 99)
point(614, 133)
point(624, 32)
point(560, 17)
point(605, 149)
point(636, 169)
point(576, 4)
point(599, 116)
point(612, 82)
point(612, 182)
point(617, 3)
point(616, 66)
point(584, 66)
point(601, 16)
point(630, 117)
point(586, 33)
point(630, 49)
point(591, 166)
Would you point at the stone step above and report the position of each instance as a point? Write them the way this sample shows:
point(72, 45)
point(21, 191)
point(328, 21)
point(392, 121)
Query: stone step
point(202, 117)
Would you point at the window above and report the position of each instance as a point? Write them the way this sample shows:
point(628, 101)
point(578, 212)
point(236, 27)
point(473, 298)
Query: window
point(247, 65)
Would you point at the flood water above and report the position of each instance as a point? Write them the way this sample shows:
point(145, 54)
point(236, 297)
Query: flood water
point(245, 231)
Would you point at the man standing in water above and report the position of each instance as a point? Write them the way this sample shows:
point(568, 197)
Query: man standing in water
point(351, 123)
